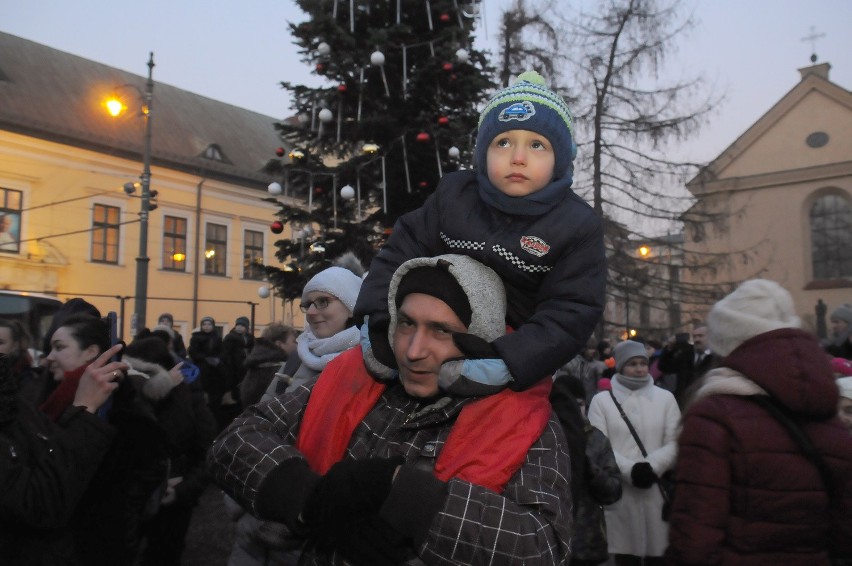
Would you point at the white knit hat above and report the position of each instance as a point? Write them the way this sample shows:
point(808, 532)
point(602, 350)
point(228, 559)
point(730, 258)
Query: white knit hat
point(755, 307)
point(336, 281)
point(845, 386)
point(626, 351)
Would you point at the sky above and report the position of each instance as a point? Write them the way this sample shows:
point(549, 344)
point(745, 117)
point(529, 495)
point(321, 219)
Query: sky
point(238, 52)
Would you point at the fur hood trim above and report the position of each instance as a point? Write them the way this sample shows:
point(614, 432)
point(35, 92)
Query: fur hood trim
point(156, 381)
point(725, 381)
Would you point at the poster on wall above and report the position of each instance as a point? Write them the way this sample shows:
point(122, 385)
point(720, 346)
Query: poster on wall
point(10, 232)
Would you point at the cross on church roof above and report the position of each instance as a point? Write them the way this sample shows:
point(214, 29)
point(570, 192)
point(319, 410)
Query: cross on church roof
point(812, 38)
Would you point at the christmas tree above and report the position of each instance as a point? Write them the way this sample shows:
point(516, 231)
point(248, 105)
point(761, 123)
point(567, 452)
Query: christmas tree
point(399, 109)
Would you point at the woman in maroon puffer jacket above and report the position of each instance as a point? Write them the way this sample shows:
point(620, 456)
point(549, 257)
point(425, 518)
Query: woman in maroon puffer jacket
point(746, 493)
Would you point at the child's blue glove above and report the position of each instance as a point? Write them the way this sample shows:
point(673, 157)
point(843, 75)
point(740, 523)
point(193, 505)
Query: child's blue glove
point(481, 373)
point(379, 360)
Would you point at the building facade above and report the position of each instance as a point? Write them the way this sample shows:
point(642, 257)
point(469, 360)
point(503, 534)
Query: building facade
point(777, 203)
point(69, 211)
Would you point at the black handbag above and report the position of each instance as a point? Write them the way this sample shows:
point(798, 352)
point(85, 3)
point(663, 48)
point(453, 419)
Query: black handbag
point(665, 482)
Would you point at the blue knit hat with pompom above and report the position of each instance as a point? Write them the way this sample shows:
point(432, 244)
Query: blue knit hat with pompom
point(529, 105)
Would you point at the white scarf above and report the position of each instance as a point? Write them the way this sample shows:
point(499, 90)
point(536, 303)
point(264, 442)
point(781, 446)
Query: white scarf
point(317, 352)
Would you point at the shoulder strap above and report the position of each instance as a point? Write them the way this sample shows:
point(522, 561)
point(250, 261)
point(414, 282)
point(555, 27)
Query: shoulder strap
point(798, 435)
point(629, 425)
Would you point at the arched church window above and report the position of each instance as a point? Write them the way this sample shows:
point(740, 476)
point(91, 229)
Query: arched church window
point(831, 237)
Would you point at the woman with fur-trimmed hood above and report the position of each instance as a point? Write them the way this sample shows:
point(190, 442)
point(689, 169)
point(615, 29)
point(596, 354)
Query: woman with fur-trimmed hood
point(189, 430)
point(746, 491)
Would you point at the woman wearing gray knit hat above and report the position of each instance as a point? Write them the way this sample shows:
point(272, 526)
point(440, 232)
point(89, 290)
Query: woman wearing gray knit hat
point(764, 466)
point(636, 532)
point(839, 344)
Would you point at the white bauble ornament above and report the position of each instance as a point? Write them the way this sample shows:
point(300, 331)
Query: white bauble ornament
point(347, 192)
point(303, 118)
point(325, 115)
point(462, 55)
point(323, 48)
point(274, 188)
point(377, 58)
point(453, 152)
point(263, 292)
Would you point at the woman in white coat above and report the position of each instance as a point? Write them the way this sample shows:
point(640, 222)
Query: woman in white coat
point(636, 532)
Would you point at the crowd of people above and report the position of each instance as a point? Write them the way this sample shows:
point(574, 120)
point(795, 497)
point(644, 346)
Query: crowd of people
point(448, 406)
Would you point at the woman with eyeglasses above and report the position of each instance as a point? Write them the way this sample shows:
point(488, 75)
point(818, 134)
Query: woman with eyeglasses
point(327, 301)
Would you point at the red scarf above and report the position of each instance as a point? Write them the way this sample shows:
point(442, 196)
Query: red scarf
point(486, 446)
point(63, 395)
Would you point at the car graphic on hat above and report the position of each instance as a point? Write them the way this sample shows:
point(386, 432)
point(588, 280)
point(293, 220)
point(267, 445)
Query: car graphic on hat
point(519, 111)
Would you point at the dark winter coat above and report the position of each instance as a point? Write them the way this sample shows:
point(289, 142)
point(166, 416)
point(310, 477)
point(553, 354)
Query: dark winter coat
point(262, 362)
point(601, 486)
point(107, 524)
point(746, 494)
point(528, 523)
point(188, 426)
point(553, 267)
point(45, 468)
point(235, 350)
point(205, 350)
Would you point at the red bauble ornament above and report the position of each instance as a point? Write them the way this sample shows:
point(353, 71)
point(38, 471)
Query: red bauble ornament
point(277, 227)
point(317, 190)
point(453, 77)
point(447, 67)
point(320, 68)
point(445, 17)
point(279, 152)
point(423, 184)
point(443, 120)
point(423, 137)
point(341, 88)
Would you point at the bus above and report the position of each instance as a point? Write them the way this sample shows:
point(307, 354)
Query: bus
point(33, 310)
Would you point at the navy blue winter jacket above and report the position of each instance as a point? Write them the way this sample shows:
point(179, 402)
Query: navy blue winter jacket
point(553, 267)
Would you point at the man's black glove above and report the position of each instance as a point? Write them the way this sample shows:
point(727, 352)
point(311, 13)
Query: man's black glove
point(642, 475)
point(373, 542)
point(481, 372)
point(350, 490)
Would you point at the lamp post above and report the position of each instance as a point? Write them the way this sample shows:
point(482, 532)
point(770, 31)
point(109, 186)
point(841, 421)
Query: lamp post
point(116, 107)
point(142, 260)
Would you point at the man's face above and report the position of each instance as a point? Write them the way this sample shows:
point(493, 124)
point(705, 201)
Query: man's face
point(838, 326)
point(699, 338)
point(520, 162)
point(240, 329)
point(423, 341)
point(165, 322)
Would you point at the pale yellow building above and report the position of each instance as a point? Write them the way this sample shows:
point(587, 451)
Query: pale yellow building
point(782, 196)
point(68, 228)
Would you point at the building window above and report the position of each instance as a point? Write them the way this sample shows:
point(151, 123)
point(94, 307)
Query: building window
point(216, 250)
point(10, 220)
point(105, 232)
point(253, 256)
point(174, 243)
point(831, 238)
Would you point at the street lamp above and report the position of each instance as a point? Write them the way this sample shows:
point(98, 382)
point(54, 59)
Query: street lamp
point(115, 107)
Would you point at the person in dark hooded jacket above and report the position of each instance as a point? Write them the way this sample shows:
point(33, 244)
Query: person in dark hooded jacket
point(747, 490)
point(189, 428)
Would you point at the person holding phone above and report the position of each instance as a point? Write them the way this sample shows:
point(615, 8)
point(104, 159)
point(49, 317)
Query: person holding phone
point(105, 526)
point(46, 466)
